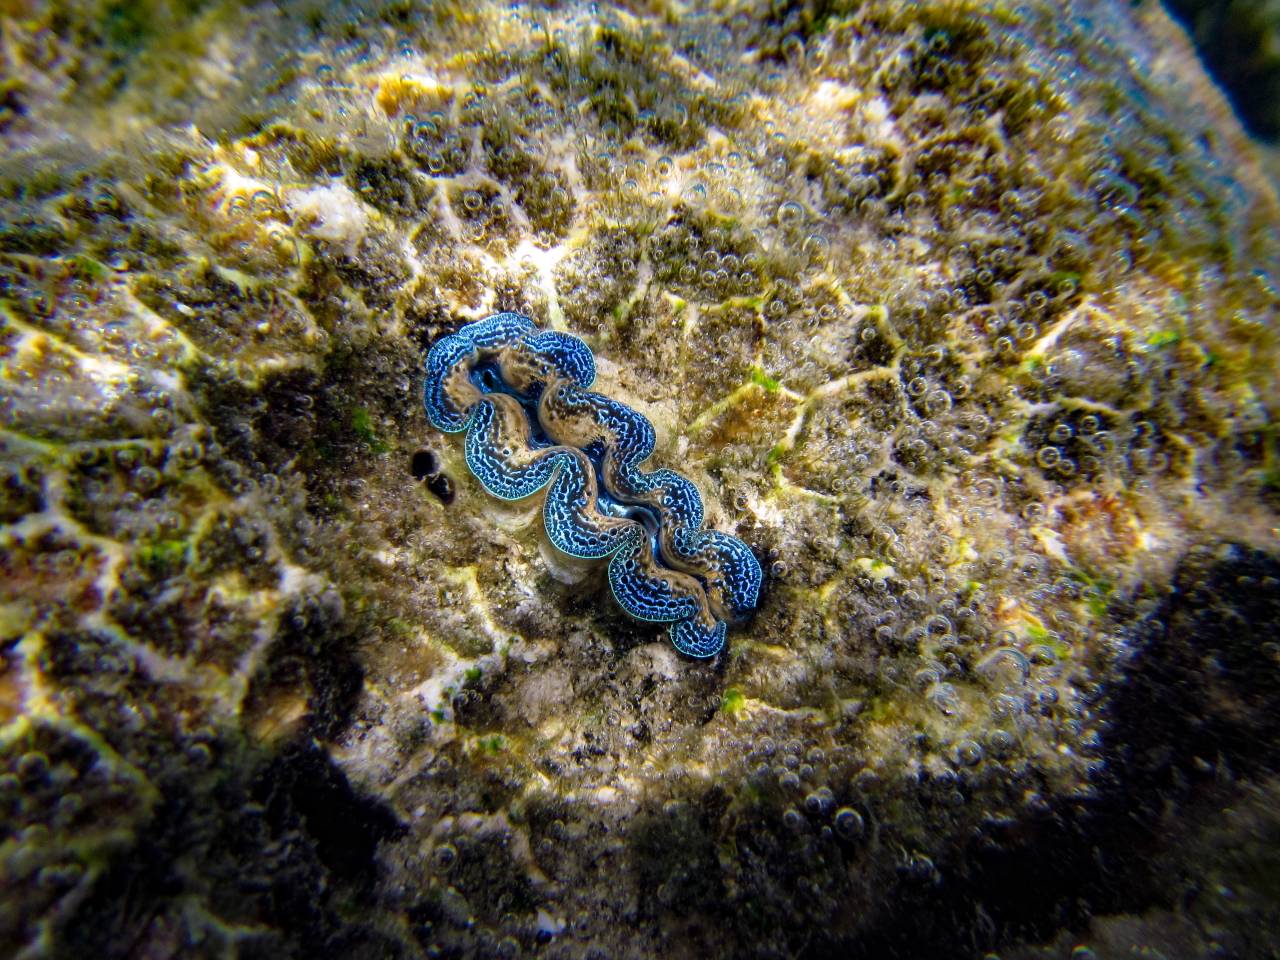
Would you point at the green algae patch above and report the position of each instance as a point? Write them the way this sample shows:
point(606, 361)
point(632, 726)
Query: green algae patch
point(362, 426)
point(1098, 592)
point(762, 379)
point(732, 701)
point(90, 269)
point(1031, 364)
point(875, 569)
point(882, 710)
point(1163, 338)
point(163, 558)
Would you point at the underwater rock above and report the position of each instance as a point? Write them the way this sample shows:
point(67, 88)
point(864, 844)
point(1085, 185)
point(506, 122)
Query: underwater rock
point(962, 318)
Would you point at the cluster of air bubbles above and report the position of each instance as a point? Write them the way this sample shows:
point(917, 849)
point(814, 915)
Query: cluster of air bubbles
point(711, 264)
point(804, 776)
point(482, 212)
point(435, 143)
point(261, 204)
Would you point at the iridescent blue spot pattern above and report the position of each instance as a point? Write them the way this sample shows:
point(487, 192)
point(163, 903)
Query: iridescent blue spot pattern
point(532, 425)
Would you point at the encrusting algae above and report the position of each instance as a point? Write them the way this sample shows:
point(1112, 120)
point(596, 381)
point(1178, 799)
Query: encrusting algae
point(961, 316)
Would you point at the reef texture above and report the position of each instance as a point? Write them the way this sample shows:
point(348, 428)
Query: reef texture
point(962, 316)
point(532, 426)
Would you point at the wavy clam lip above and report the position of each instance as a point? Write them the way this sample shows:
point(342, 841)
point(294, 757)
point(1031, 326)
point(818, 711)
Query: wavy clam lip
point(521, 396)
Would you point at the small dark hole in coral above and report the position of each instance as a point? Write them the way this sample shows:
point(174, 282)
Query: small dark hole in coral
point(423, 465)
point(442, 487)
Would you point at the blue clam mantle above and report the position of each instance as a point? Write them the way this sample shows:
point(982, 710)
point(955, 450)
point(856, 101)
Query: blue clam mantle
point(521, 396)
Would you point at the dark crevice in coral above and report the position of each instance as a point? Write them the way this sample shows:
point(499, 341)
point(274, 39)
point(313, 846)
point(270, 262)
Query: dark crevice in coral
point(345, 827)
point(442, 487)
point(423, 465)
point(314, 652)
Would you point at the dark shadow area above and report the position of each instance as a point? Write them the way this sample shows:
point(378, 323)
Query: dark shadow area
point(1237, 41)
point(1193, 724)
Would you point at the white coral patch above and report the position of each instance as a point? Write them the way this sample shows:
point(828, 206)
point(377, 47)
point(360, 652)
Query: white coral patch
point(334, 213)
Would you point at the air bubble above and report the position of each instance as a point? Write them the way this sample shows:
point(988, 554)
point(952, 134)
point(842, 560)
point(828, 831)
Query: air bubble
point(33, 767)
point(848, 823)
point(445, 856)
point(264, 202)
point(146, 479)
point(1005, 664)
point(944, 698)
point(1041, 655)
point(937, 403)
point(820, 802)
point(817, 247)
point(1048, 457)
point(967, 753)
point(1000, 742)
point(790, 213)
